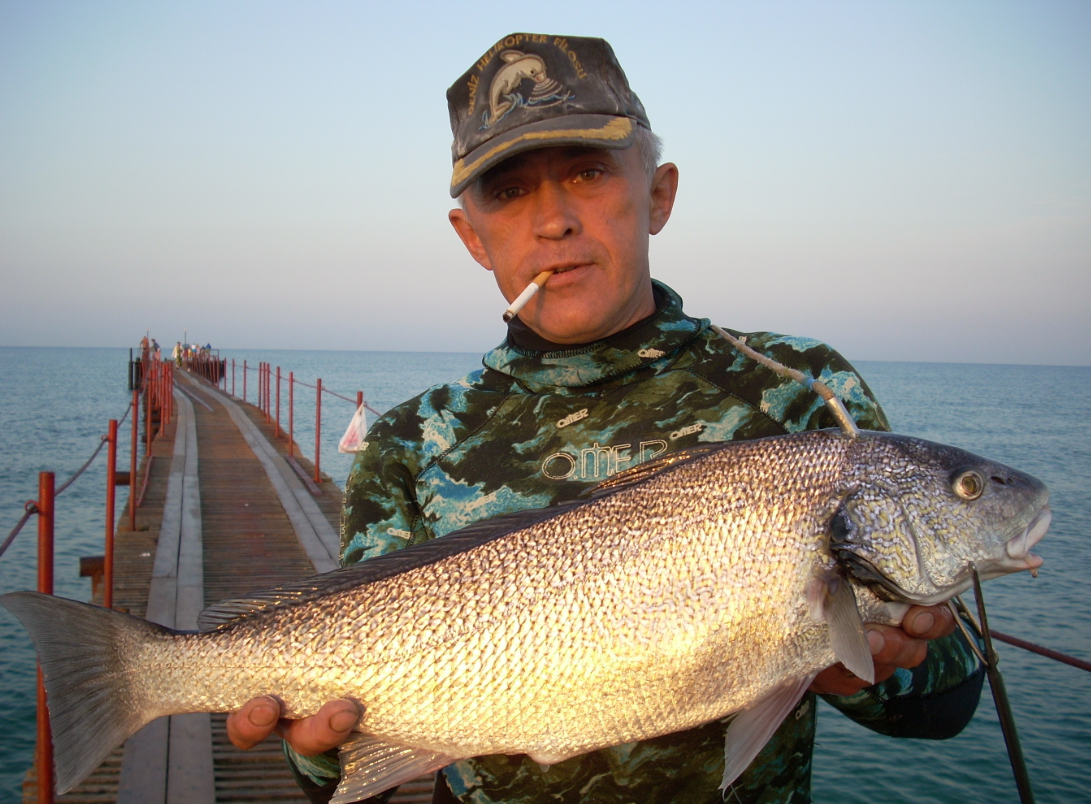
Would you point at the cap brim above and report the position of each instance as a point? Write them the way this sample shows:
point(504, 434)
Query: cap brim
point(597, 130)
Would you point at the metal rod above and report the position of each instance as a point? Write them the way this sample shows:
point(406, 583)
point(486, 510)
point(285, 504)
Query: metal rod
point(44, 748)
point(232, 376)
point(833, 403)
point(277, 431)
point(317, 430)
point(133, 441)
point(149, 385)
point(111, 490)
point(244, 381)
point(1000, 698)
point(1049, 653)
point(291, 411)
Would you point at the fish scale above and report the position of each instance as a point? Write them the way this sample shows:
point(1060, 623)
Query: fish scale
point(680, 592)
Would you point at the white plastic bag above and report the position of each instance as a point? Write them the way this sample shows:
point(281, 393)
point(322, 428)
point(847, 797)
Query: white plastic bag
point(353, 439)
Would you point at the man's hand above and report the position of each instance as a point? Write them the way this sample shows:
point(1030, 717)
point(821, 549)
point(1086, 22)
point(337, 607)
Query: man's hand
point(326, 729)
point(891, 647)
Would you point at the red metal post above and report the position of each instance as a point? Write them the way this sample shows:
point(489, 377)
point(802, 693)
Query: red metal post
point(317, 430)
point(359, 399)
point(148, 415)
point(135, 413)
point(268, 393)
point(111, 491)
point(43, 754)
point(244, 381)
point(164, 405)
point(278, 403)
point(232, 377)
point(291, 411)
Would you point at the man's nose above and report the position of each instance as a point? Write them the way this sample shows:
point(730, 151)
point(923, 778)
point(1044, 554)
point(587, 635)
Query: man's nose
point(555, 215)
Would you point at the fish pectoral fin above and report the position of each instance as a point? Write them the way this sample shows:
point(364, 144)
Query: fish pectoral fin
point(370, 765)
point(751, 729)
point(848, 638)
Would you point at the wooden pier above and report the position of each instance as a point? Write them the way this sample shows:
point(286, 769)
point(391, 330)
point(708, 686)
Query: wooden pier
point(226, 512)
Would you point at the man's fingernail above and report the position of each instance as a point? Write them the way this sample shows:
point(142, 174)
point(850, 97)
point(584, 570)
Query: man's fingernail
point(263, 715)
point(923, 622)
point(875, 641)
point(344, 720)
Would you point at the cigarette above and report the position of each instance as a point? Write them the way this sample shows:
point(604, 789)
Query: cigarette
point(527, 295)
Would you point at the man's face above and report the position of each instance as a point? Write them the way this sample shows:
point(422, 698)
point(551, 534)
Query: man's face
point(585, 212)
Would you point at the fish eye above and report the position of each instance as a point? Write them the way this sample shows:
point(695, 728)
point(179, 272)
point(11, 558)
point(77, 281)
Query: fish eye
point(968, 485)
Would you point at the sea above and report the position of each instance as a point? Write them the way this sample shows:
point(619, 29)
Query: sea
point(55, 404)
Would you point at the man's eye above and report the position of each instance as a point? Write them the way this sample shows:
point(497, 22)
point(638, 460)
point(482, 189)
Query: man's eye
point(589, 174)
point(509, 193)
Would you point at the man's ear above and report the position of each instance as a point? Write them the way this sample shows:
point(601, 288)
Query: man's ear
point(468, 235)
point(663, 189)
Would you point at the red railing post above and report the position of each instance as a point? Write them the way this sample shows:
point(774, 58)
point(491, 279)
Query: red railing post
point(232, 377)
point(44, 749)
point(317, 430)
point(268, 393)
point(135, 412)
point(148, 413)
point(291, 411)
point(278, 403)
point(111, 491)
point(244, 381)
point(359, 399)
point(164, 404)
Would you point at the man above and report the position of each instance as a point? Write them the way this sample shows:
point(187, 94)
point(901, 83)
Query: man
point(556, 169)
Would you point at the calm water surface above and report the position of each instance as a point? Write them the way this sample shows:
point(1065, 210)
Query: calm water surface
point(54, 405)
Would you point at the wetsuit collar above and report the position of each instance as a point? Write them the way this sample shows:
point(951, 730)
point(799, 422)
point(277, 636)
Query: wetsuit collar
point(539, 364)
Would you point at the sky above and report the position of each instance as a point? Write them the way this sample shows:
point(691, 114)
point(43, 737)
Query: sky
point(907, 181)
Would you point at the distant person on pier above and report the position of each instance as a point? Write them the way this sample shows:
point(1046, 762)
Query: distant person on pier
point(556, 169)
point(177, 353)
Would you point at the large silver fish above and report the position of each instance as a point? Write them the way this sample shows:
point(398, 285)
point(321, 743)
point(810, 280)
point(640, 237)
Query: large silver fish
point(713, 581)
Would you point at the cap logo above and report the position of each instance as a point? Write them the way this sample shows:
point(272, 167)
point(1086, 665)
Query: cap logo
point(506, 92)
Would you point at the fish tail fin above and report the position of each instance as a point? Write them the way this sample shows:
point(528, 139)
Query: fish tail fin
point(84, 653)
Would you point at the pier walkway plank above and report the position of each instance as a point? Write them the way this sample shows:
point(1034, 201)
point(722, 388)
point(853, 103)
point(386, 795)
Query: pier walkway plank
point(224, 502)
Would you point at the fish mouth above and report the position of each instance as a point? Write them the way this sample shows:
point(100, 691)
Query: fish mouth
point(1017, 549)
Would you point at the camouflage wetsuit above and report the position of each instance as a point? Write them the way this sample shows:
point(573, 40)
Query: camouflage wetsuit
point(534, 428)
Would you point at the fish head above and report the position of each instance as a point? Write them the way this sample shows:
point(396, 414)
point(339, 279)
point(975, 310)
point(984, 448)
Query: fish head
point(918, 516)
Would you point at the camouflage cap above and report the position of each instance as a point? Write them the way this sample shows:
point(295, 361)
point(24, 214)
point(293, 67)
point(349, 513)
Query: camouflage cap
point(533, 91)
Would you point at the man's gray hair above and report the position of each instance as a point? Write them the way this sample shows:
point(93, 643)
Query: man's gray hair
point(651, 149)
point(646, 140)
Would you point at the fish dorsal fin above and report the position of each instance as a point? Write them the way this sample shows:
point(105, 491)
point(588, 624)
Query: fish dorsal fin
point(648, 470)
point(751, 729)
point(378, 568)
point(369, 766)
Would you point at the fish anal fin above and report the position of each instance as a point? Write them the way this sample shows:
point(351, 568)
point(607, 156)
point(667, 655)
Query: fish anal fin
point(848, 638)
point(751, 729)
point(370, 765)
